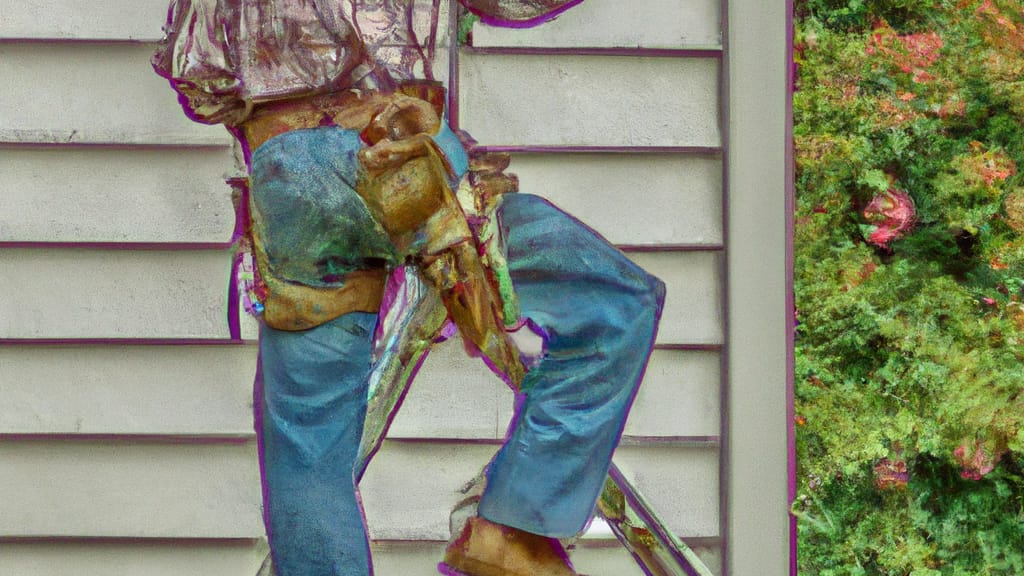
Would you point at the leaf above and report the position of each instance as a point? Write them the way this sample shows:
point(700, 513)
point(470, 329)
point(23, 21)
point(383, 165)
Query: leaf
point(874, 179)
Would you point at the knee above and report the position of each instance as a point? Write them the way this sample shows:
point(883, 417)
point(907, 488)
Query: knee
point(656, 293)
point(652, 289)
point(647, 296)
point(639, 309)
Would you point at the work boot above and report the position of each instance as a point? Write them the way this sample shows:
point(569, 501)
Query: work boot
point(488, 549)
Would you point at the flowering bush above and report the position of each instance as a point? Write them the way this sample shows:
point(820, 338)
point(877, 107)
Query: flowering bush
point(909, 277)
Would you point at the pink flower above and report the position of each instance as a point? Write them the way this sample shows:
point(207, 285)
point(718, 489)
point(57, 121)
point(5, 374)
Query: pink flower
point(882, 236)
point(892, 215)
point(975, 461)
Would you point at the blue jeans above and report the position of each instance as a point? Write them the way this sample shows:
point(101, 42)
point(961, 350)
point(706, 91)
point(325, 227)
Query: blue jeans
point(598, 314)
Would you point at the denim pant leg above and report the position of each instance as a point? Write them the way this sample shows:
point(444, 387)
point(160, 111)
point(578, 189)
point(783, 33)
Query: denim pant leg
point(311, 404)
point(598, 313)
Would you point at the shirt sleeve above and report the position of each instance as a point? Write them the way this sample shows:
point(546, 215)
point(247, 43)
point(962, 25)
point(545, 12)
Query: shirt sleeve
point(518, 13)
point(194, 57)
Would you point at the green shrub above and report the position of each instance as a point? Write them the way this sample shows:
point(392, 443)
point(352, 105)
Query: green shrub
point(909, 278)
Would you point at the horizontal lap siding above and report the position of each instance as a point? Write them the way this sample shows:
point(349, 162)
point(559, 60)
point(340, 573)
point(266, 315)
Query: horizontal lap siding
point(568, 100)
point(140, 390)
point(84, 293)
point(69, 93)
point(693, 281)
point(163, 468)
point(132, 558)
point(158, 506)
point(604, 23)
point(96, 488)
point(76, 20)
point(81, 194)
point(673, 199)
point(679, 396)
point(615, 24)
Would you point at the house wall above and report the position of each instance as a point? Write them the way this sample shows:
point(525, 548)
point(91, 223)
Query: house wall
point(125, 426)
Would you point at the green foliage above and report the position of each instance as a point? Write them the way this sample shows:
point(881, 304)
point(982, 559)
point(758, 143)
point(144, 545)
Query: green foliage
point(848, 15)
point(465, 30)
point(910, 347)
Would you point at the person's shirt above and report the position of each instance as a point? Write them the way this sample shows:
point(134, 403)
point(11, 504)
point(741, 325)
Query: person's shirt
point(225, 56)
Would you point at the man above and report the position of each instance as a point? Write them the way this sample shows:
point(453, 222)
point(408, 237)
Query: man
point(353, 174)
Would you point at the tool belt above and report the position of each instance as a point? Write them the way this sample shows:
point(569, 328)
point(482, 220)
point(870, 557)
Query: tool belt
point(420, 207)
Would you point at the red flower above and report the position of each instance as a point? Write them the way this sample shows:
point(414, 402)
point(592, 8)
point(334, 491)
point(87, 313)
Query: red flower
point(892, 215)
